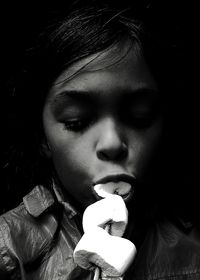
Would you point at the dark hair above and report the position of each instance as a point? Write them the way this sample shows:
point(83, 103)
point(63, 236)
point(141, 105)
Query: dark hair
point(72, 33)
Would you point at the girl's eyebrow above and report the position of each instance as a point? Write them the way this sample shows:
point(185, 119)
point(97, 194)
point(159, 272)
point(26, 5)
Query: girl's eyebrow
point(83, 94)
point(60, 100)
point(74, 94)
point(88, 97)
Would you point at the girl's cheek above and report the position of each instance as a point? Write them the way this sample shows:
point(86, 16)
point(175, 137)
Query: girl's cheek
point(143, 150)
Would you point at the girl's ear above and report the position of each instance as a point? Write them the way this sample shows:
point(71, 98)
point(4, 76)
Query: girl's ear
point(45, 149)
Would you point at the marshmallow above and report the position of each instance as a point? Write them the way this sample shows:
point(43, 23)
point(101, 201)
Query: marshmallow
point(119, 188)
point(111, 253)
point(112, 210)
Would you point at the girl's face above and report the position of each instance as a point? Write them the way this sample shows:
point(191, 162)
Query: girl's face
point(102, 121)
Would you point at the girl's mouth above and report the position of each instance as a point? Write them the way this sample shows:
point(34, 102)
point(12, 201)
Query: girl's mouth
point(122, 185)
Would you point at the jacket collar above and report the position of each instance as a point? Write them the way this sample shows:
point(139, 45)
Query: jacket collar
point(40, 199)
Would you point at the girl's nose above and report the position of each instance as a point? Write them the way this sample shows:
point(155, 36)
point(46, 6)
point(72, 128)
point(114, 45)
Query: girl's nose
point(111, 144)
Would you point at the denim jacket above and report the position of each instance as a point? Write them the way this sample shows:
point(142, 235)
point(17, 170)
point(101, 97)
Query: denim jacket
point(37, 240)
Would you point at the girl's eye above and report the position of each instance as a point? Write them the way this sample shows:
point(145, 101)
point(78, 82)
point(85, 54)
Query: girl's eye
point(76, 117)
point(141, 120)
point(77, 125)
point(141, 111)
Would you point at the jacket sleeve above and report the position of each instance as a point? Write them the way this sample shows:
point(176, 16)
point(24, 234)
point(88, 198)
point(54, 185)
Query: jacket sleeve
point(5, 259)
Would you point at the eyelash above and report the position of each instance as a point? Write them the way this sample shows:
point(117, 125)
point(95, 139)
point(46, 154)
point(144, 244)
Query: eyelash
point(77, 125)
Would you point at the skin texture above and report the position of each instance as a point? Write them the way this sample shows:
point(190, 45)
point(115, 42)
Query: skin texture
point(101, 120)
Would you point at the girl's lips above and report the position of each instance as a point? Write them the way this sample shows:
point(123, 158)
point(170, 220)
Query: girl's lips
point(117, 178)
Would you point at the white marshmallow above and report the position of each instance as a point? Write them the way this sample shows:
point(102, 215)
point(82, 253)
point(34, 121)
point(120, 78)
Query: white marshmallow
point(119, 188)
point(112, 210)
point(112, 254)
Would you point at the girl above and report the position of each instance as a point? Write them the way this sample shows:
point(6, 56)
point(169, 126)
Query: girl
point(91, 108)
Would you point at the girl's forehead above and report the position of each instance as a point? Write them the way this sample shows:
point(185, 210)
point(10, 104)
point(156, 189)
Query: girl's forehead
point(122, 68)
point(107, 59)
point(106, 74)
